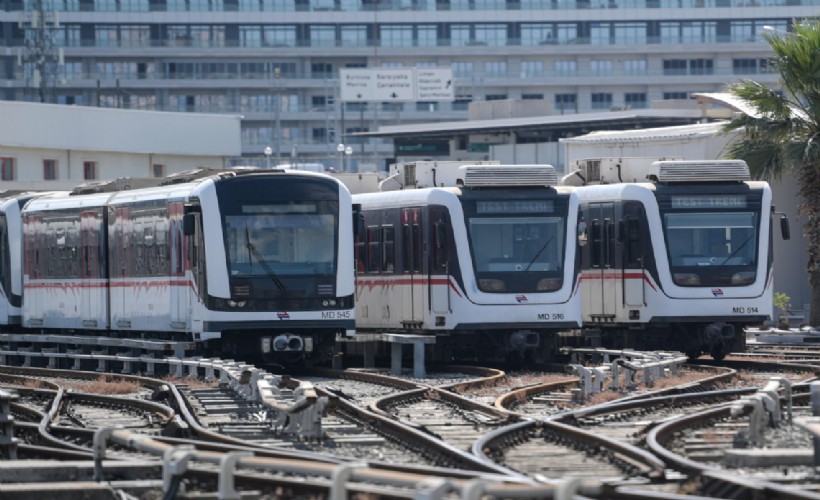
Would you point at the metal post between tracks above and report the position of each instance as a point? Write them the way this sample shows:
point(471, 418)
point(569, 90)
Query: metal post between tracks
point(814, 389)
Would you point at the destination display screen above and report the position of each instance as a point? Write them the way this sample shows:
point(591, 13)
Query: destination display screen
point(515, 207)
point(709, 201)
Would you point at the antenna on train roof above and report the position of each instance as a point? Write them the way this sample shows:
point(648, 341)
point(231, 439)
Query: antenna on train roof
point(203, 172)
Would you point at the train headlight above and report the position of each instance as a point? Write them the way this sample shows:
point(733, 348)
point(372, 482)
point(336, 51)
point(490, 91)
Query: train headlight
point(743, 278)
point(686, 279)
point(490, 285)
point(329, 303)
point(548, 284)
point(232, 303)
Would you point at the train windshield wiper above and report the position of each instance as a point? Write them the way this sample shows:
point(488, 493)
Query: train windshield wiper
point(262, 262)
point(539, 253)
point(738, 249)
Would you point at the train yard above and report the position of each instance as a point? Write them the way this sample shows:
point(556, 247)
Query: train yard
point(607, 424)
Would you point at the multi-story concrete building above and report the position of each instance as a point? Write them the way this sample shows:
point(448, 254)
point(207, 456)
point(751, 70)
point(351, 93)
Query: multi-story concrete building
point(276, 62)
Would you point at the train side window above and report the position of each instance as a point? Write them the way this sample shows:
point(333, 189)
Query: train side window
point(610, 243)
point(407, 249)
point(418, 250)
point(388, 249)
point(360, 251)
point(373, 247)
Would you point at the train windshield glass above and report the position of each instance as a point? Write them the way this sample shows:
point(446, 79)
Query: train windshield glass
point(517, 245)
point(712, 247)
point(293, 238)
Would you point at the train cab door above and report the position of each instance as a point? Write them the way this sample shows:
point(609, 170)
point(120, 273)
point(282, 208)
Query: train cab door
point(196, 264)
point(412, 258)
point(601, 295)
point(439, 272)
point(91, 296)
point(180, 289)
point(632, 255)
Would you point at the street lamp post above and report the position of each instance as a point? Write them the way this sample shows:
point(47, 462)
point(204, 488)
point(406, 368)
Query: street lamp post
point(268, 151)
point(343, 151)
point(348, 152)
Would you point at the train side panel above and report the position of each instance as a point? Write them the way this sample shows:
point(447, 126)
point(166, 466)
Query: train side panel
point(65, 279)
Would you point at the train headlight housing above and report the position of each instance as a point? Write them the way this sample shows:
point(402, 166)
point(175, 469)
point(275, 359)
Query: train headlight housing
point(237, 303)
point(686, 279)
point(548, 284)
point(491, 285)
point(329, 303)
point(743, 278)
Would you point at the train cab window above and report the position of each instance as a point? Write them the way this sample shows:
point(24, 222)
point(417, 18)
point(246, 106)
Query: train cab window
point(440, 234)
point(373, 248)
point(388, 249)
point(596, 244)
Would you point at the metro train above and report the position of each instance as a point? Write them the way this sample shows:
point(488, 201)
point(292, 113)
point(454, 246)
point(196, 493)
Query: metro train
point(240, 262)
point(487, 264)
point(674, 254)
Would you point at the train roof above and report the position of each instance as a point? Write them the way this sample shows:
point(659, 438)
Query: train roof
point(179, 186)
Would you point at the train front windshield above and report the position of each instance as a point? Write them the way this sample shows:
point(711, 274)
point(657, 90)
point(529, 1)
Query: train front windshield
point(282, 239)
point(712, 240)
point(517, 245)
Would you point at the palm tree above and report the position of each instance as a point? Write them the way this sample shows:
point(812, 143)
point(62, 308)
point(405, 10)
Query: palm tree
point(782, 131)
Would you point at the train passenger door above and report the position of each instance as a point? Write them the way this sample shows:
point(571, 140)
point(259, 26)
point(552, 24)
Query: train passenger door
point(439, 272)
point(412, 253)
point(94, 294)
point(601, 296)
point(180, 289)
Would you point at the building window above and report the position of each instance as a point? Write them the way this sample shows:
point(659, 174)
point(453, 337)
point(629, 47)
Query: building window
point(532, 96)
point(675, 95)
point(751, 66)
point(427, 36)
point(495, 97)
point(566, 103)
point(396, 35)
point(565, 67)
point(601, 100)
point(532, 68)
point(537, 34)
point(491, 34)
point(7, 169)
point(157, 170)
point(90, 170)
point(495, 68)
point(49, 170)
point(322, 36)
point(635, 99)
point(635, 66)
point(601, 67)
point(675, 67)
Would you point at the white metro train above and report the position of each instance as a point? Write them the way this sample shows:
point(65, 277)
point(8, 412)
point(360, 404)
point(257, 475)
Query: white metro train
point(674, 254)
point(241, 262)
point(487, 264)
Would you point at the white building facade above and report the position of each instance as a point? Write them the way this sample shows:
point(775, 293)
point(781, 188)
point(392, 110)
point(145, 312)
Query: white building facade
point(47, 146)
